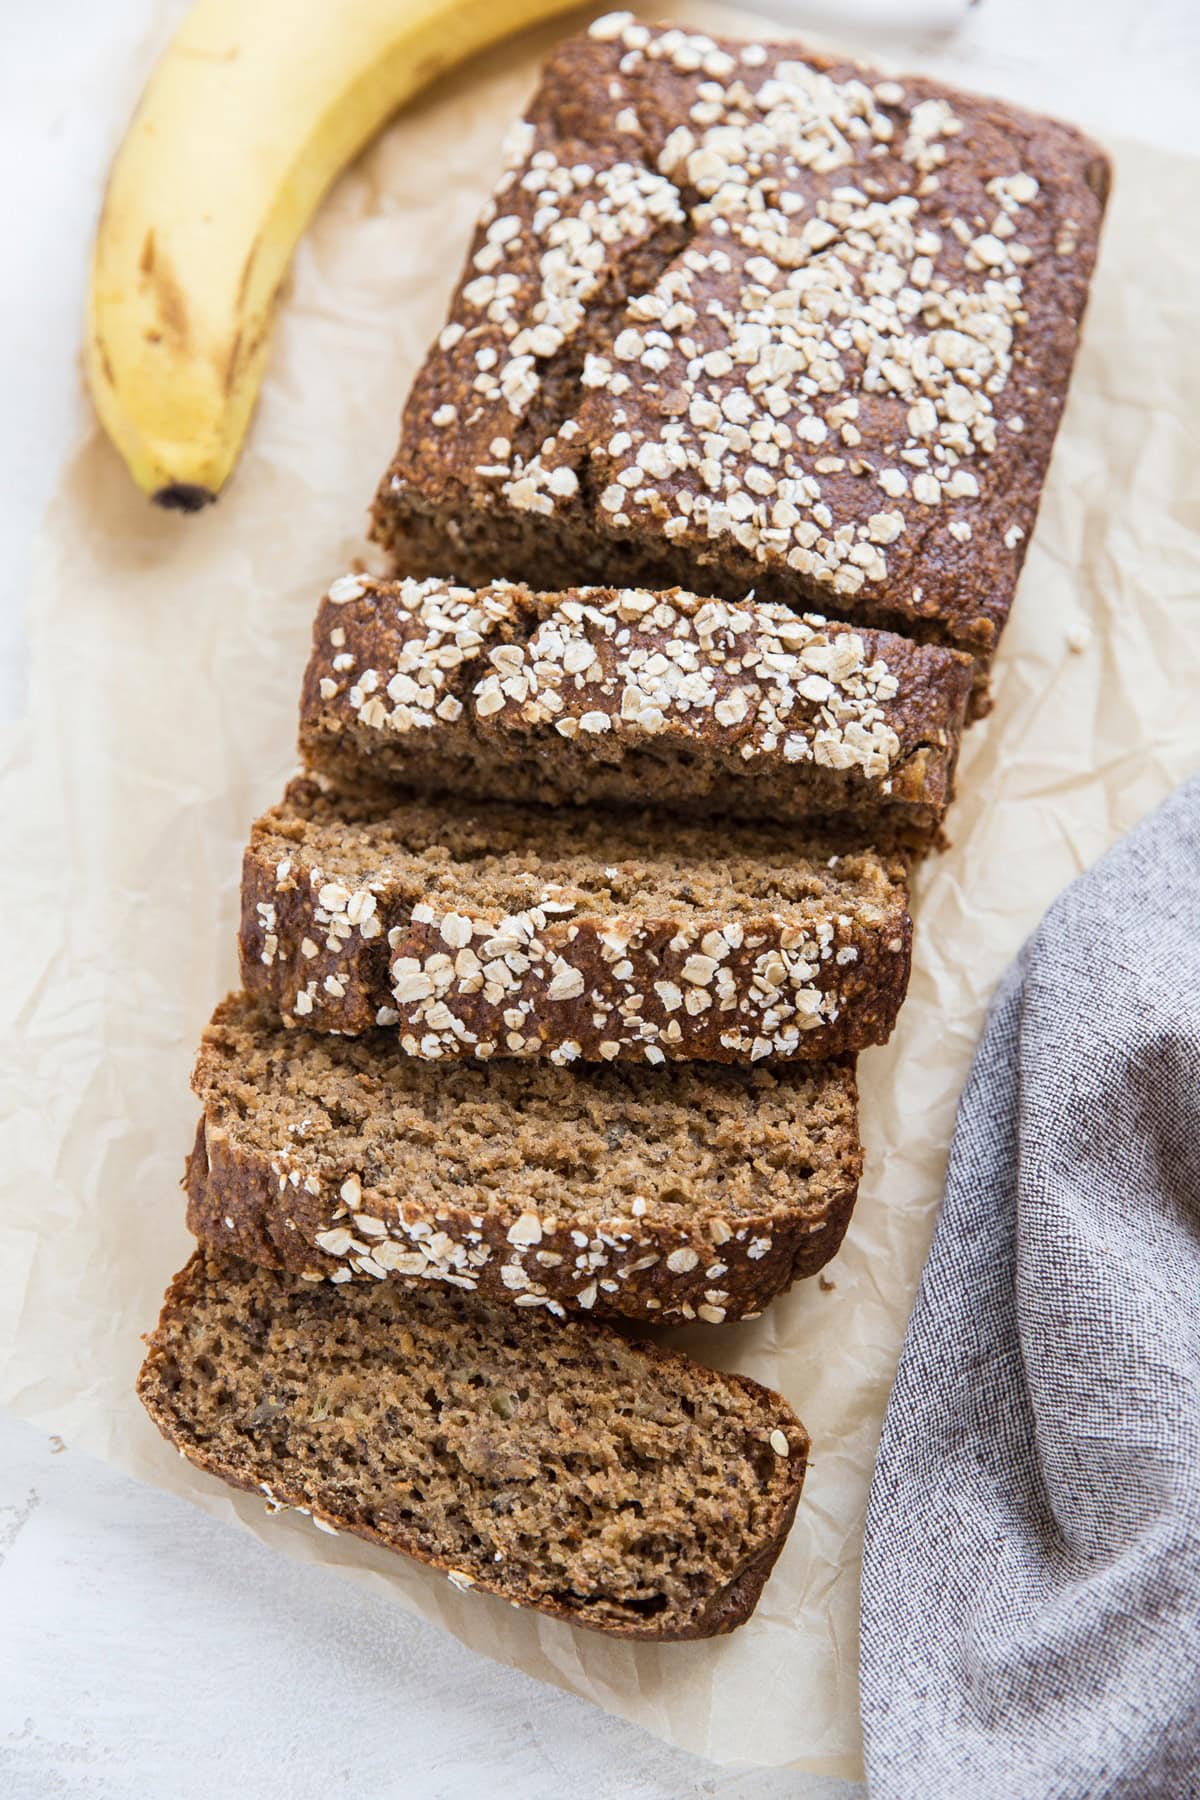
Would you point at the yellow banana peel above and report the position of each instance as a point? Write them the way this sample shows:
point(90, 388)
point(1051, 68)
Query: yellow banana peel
point(254, 109)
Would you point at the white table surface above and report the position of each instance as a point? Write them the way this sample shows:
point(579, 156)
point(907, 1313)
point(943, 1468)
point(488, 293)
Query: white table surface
point(146, 1650)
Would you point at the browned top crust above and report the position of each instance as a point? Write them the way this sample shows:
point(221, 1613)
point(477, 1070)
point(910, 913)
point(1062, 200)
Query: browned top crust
point(743, 315)
point(627, 696)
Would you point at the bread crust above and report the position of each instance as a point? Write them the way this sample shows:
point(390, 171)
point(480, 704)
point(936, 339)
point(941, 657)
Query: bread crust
point(497, 474)
point(726, 1609)
point(857, 1006)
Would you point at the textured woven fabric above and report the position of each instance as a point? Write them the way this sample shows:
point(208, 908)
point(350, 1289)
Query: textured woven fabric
point(1031, 1580)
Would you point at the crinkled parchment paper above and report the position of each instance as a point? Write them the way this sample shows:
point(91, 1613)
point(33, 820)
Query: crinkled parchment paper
point(166, 659)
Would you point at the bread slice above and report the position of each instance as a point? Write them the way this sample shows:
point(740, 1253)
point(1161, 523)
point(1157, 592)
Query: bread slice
point(561, 1467)
point(510, 931)
point(698, 1190)
point(634, 698)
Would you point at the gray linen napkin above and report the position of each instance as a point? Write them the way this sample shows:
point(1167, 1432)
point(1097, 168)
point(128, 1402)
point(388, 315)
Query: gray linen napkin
point(1031, 1578)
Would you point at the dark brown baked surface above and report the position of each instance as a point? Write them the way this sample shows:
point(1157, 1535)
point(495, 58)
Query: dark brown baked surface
point(559, 1466)
point(742, 316)
point(525, 932)
point(624, 697)
point(694, 1191)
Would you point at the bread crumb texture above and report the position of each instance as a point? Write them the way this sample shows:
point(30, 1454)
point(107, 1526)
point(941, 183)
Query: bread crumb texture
point(559, 1466)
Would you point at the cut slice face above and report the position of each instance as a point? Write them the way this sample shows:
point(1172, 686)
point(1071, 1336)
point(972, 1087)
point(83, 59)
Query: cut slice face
point(559, 1466)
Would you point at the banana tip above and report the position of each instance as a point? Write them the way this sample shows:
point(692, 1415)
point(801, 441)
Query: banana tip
point(183, 496)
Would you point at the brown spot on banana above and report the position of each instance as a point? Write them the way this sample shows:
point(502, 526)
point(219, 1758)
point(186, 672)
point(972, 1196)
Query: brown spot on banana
point(247, 271)
point(169, 303)
point(229, 367)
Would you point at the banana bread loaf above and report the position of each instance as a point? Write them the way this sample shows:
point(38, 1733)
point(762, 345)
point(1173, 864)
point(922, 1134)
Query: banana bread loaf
point(744, 316)
point(562, 1467)
point(518, 931)
point(628, 697)
point(694, 1191)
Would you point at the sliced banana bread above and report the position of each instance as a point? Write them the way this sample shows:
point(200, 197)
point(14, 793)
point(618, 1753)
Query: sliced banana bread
point(562, 1467)
point(698, 1190)
point(518, 931)
point(635, 698)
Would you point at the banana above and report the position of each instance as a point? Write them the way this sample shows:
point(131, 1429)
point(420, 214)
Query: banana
point(254, 109)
